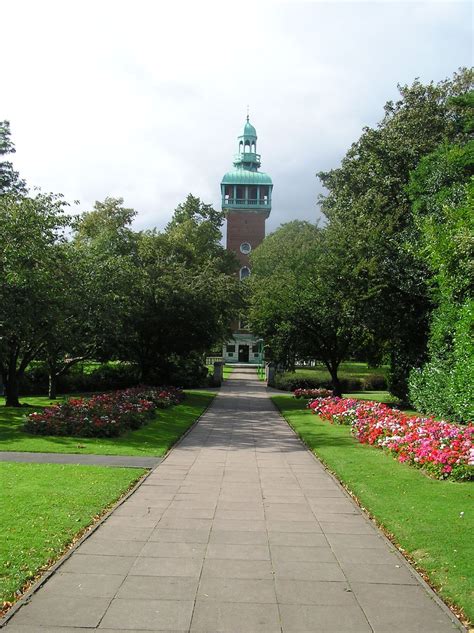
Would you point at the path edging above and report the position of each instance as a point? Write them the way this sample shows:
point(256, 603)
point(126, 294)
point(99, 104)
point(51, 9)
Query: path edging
point(372, 521)
point(27, 596)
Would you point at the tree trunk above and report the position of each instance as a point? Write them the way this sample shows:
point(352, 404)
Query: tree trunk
point(52, 385)
point(336, 385)
point(52, 375)
point(12, 389)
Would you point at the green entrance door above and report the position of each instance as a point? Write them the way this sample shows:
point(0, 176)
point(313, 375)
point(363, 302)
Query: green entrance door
point(243, 353)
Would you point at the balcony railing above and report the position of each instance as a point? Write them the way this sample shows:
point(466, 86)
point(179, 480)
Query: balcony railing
point(247, 157)
point(247, 202)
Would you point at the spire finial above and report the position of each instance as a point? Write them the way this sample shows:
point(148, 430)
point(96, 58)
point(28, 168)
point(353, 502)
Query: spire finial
point(247, 113)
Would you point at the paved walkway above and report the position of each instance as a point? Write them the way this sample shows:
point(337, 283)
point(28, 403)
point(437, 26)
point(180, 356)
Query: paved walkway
point(239, 530)
point(73, 458)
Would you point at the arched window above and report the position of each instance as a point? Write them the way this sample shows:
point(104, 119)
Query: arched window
point(244, 272)
point(253, 148)
point(241, 145)
point(247, 146)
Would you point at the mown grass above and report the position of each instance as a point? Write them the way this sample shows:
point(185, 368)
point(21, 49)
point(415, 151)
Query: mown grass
point(347, 369)
point(226, 371)
point(153, 439)
point(423, 515)
point(43, 508)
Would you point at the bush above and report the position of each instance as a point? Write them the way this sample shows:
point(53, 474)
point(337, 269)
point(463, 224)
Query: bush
point(104, 377)
point(105, 415)
point(187, 372)
point(290, 382)
point(312, 393)
point(374, 382)
point(445, 385)
point(442, 449)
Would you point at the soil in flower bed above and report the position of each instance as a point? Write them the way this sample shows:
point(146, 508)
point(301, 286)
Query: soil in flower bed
point(44, 507)
point(430, 519)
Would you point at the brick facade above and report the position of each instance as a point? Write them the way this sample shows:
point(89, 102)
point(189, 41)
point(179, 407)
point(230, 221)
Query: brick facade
point(244, 227)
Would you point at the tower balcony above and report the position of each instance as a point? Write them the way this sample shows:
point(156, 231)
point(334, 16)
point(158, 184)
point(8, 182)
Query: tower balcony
point(247, 157)
point(246, 203)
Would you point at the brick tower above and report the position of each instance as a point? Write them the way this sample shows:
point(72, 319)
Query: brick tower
point(247, 202)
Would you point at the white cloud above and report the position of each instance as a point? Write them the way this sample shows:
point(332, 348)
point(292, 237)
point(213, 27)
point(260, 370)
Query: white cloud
point(145, 100)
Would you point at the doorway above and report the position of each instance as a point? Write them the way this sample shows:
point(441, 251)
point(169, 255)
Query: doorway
point(243, 353)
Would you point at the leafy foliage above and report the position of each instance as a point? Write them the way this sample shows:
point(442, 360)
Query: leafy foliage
point(31, 279)
point(442, 190)
point(10, 181)
point(302, 299)
point(369, 211)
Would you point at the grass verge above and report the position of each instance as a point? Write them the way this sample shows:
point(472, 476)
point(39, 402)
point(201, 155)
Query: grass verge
point(421, 515)
point(153, 439)
point(227, 371)
point(44, 508)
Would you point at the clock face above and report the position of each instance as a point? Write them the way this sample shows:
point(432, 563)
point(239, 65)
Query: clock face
point(245, 248)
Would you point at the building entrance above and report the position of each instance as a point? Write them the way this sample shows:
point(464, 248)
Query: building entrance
point(243, 353)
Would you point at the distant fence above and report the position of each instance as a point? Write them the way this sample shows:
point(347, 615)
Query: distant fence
point(210, 360)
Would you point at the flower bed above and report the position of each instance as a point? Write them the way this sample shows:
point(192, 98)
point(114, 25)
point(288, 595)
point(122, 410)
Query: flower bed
point(104, 415)
point(312, 393)
point(442, 449)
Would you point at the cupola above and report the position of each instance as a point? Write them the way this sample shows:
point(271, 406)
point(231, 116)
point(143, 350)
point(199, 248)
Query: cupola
point(245, 188)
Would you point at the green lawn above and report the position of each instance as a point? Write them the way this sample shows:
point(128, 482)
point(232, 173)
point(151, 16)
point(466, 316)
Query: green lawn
point(44, 506)
point(422, 514)
point(227, 370)
point(347, 369)
point(154, 439)
point(377, 396)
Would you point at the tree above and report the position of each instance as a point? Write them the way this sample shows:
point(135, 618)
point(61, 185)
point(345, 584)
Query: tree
point(367, 200)
point(302, 301)
point(184, 292)
point(442, 192)
point(97, 273)
point(88, 313)
point(10, 181)
point(32, 232)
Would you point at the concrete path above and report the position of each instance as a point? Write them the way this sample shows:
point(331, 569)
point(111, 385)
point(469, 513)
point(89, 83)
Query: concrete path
point(239, 530)
point(73, 458)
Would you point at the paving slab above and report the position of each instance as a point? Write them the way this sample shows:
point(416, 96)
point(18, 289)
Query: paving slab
point(239, 529)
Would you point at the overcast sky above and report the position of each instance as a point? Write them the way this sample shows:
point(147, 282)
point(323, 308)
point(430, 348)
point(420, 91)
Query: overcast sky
point(145, 100)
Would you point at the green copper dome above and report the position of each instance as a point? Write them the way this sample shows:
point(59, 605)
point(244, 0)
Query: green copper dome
point(246, 177)
point(249, 131)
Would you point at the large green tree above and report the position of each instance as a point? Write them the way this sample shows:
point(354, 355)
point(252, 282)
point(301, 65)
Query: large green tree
point(32, 237)
point(184, 292)
point(369, 211)
point(442, 192)
point(302, 299)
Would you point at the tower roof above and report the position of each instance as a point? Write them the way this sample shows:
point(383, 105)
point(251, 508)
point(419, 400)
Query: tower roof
point(246, 177)
point(249, 131)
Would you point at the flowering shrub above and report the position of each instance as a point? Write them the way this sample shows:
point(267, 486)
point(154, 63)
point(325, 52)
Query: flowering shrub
point(312, 393)
point(104, 415)
point(442, 449)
